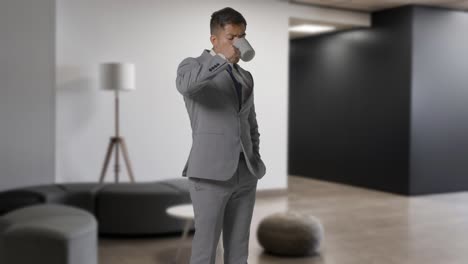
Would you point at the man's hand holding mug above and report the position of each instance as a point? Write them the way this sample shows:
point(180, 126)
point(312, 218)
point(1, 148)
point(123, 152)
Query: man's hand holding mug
point(241, 49)
point(232, 54)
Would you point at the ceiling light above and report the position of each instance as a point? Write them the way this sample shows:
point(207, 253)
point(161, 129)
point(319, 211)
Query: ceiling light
point(310, 28)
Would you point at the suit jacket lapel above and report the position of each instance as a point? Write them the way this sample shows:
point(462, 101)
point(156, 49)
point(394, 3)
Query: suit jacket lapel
point(246, 91)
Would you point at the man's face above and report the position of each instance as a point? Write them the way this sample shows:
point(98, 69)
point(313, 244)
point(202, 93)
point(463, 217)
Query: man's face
point(224, 37)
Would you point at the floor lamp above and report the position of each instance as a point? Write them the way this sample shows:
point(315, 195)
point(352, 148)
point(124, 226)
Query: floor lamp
point(117, 77)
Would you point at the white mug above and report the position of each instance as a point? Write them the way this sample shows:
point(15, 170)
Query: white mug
point(246, 50)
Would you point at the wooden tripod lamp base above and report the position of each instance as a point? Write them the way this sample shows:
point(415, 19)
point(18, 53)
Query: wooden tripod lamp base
point(117, 143)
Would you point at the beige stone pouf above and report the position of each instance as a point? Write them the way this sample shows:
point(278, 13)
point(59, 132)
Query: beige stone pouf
point(290, 234)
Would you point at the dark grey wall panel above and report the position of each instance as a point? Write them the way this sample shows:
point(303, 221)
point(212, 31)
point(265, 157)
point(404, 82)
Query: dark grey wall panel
point(349, 104)
point(439, 131)
point(384, 108)
point(27, 99)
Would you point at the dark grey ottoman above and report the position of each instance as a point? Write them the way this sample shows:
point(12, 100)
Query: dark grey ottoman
point(82, 195)
point(290, 234)
point(122, 209)
point(48, 234)
point(27, 196)
point(140, 208)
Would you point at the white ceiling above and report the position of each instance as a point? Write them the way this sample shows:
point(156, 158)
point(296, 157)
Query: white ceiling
point(376, 5)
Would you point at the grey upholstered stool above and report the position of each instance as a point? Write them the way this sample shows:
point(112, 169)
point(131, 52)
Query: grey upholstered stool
point(290, 234)
point(48, 234)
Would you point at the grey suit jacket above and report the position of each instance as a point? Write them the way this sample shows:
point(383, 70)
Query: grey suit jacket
point(219, 129)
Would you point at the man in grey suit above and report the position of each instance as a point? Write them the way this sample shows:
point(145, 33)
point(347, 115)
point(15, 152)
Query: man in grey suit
point(224, 164)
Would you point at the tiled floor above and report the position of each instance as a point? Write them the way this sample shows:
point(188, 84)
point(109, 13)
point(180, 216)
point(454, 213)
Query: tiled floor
point(361, 227)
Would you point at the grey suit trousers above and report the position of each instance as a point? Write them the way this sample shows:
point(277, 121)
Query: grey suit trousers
point(223, 205)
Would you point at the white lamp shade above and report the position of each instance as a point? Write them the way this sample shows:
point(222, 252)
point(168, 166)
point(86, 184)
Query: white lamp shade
point(117, 76)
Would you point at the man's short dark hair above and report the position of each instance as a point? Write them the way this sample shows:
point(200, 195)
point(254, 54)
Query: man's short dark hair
point(225, 16)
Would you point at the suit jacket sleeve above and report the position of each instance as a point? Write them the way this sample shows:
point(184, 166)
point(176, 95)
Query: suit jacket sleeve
point(254, 134)
point(193, 76)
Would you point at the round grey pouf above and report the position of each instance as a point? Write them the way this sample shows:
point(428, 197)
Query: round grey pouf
point(48, 234)
point(290, 234)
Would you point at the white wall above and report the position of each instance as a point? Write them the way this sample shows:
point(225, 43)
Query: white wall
point(156, 36)
point(27, 81)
